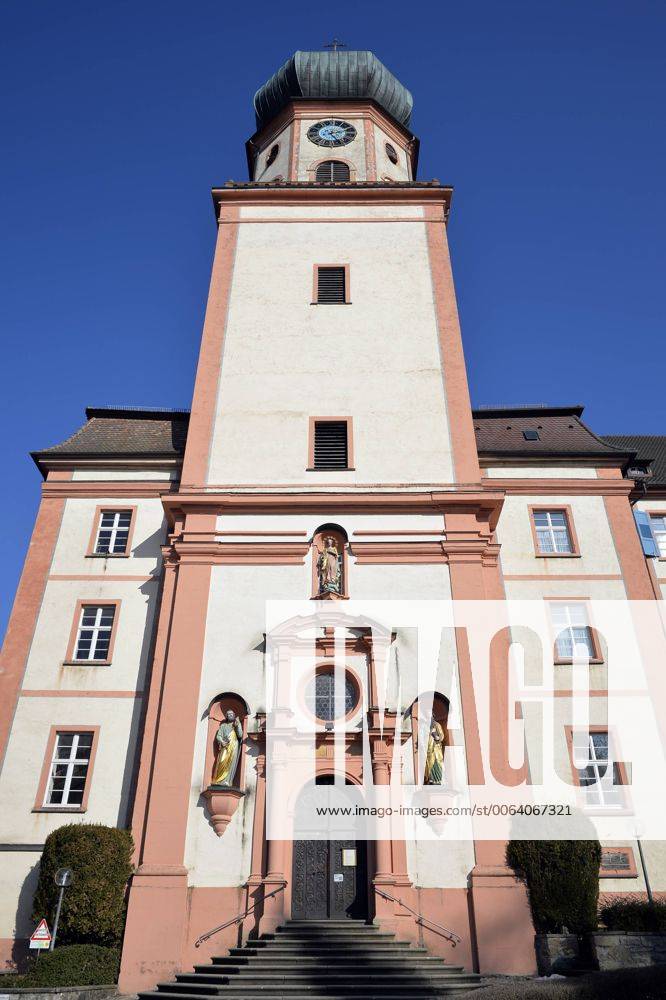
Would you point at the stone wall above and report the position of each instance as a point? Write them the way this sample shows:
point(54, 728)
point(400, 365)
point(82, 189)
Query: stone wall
point(628, 949)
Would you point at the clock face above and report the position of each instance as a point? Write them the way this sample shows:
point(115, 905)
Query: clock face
point(333, 132)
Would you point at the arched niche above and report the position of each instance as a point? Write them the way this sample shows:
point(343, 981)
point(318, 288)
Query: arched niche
point(217, 711)
point(330, 545)
point(430, 704)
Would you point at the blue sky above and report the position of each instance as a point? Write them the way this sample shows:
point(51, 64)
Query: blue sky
point(117, 119)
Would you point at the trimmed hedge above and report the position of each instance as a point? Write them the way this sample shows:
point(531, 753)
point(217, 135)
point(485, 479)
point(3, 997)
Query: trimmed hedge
point(72, 965)
point(93, 909)
point(634, 915)
point(562, 878)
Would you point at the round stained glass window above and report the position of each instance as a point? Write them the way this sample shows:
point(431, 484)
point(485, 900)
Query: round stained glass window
point(325, 702)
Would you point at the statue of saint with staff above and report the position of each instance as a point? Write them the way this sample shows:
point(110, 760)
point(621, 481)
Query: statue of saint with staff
point(228, 741)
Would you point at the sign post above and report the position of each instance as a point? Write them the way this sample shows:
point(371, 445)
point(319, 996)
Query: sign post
point(63, 878)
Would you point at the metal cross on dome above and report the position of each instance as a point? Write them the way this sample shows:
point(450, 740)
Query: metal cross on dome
point(335, 45)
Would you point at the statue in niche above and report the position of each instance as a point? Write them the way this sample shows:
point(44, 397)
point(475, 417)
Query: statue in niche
point(228, 743)
point(434, 765)
point(329, 569)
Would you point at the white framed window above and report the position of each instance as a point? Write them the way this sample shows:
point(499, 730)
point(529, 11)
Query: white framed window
point(658, 525)
point(113, 532)
point(69, 769)
point(598, 773)
point(93, 637)
point(552, 531)
point(571, 629)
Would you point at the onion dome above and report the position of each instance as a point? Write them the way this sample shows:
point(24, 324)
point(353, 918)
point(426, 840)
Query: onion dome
point(337, 75)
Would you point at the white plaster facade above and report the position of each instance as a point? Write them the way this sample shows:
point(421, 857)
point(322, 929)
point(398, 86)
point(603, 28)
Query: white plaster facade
point(286, 359)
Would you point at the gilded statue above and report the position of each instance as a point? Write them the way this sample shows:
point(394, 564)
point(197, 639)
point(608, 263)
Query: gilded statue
point(434, 765)
point(328, 567)
point(228, 744)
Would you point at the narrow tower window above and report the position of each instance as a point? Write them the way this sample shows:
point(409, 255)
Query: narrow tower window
point(332, 285)
point(332, 172)
point(331, 447)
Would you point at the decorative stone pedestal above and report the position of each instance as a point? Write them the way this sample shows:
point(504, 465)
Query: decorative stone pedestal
point(222, 804)
point(434, 798)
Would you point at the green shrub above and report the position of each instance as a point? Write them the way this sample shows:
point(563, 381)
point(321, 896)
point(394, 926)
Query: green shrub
point(73, 965)
point(562, 878)
point(93, 909)
point(634, 915)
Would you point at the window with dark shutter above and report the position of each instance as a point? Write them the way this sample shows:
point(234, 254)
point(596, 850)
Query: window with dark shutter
point(330, 444)
point(332, 172)
point(331, 285)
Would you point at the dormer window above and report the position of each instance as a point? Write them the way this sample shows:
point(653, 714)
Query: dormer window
point(332, 172)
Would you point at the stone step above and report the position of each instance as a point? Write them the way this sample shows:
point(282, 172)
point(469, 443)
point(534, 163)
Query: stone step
point(399, 964)
point(240, 988)
point(315, 992)
point(323, 948)
point(321, 960)
point(278, 994)
point(366, 934)
point(327, 928)
point(405, 977)
point(325, 922)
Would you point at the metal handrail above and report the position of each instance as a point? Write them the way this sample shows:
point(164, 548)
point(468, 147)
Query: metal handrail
point(240, 917)
point(420, 918)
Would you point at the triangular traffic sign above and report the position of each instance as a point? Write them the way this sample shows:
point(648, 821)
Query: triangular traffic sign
point(41, 936)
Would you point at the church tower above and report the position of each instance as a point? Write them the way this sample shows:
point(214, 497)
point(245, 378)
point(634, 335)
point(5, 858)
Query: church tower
point(330, 413)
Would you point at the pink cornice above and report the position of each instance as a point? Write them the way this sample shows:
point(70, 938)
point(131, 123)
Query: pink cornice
point(347, 194)
point(561, 487)
point(108, 488)
point(482, 503)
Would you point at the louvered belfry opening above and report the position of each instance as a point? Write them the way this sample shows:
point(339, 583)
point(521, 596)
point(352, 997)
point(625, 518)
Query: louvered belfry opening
point(331, 285)
point(332, 172)
point(330, 444)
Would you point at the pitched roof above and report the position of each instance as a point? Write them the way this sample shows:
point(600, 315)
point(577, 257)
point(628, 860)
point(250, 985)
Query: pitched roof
point(648, 447)
point(124, 432)
point(500, 432)
point(133, 432)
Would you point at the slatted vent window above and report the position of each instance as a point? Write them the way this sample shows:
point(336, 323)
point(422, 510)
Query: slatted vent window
point(330, 444)
point(332, 172)
point(331, 285)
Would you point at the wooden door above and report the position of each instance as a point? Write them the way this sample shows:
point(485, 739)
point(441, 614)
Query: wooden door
point(328, 880)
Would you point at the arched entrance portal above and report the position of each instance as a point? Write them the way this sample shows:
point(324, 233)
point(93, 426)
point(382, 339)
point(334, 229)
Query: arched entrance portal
point(329, 877)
